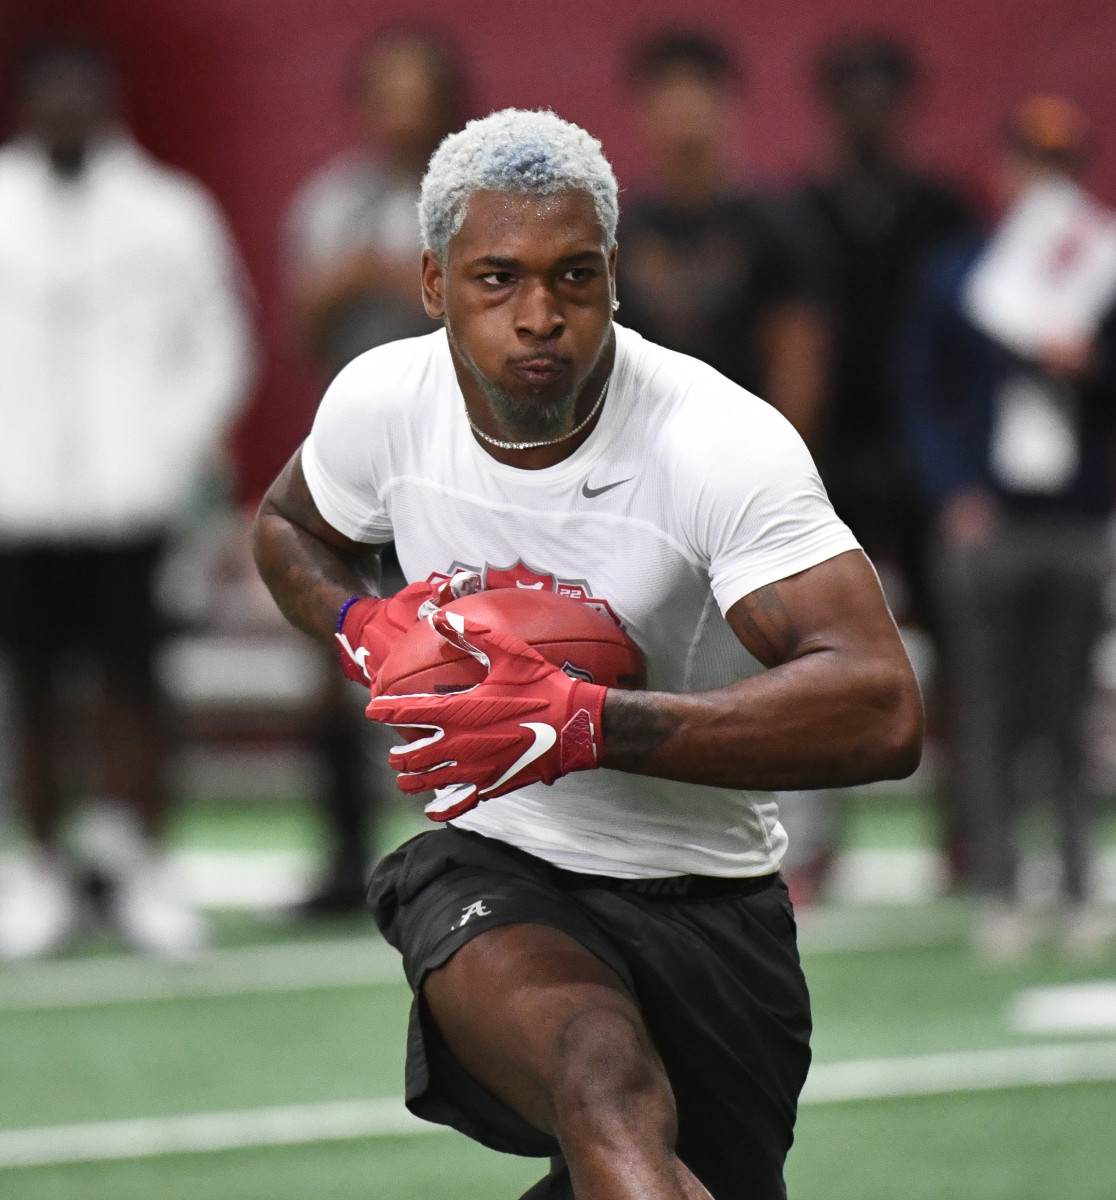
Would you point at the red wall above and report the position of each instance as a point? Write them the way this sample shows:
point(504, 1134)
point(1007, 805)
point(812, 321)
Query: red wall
point(246, 94)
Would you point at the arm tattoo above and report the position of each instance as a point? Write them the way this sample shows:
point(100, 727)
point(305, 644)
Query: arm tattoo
point(635, 726)
point(638, 724)
point(764, 625)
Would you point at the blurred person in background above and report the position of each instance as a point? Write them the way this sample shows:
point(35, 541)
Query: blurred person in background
point(353, 239)
point(879, 214)
point(710, 268)
point(124, 352)
point(1008, 386)
point(353, 253)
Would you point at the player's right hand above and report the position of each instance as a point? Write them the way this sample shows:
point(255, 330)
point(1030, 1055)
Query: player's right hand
point(526, 722)
point(372, 626)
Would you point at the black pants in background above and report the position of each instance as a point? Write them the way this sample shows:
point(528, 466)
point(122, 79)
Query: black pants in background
point(1021, 616)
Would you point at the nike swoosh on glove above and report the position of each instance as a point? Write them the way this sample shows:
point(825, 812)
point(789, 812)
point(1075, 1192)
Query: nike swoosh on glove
point(372, 626)
point(525, 722)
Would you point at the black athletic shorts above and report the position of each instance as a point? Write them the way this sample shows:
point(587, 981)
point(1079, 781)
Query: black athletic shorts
point(60, 599)
point(712, 963)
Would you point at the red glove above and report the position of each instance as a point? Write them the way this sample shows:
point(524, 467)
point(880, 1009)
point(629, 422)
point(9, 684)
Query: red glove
point(369, 627)
point(525, 722)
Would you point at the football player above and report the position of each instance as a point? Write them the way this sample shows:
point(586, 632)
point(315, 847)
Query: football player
point(600, 944)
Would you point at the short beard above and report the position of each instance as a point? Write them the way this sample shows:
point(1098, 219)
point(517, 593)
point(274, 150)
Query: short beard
point(522, 420)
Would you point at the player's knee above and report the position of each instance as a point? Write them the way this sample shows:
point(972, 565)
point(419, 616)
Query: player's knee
point(611, 1086)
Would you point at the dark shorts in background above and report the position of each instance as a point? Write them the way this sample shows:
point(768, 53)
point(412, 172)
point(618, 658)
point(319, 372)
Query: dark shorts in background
point(60, 599)
point(712, 963)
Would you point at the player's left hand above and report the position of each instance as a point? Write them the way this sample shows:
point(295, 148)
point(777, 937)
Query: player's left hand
point(525, 722)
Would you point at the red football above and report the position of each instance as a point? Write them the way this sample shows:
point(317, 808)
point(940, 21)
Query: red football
point(580, 639)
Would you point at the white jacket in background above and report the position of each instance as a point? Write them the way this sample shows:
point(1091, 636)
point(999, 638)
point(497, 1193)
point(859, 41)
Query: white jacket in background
point(124, 343)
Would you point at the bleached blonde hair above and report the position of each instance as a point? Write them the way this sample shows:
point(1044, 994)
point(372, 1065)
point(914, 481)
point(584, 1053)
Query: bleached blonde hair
point(530, 152)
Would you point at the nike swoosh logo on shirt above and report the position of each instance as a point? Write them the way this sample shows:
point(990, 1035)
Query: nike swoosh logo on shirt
point(590, 493)
point(545, 737)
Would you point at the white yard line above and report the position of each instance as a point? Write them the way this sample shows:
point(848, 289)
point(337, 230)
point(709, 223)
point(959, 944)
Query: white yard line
point(963, 1071)
point(199, 1133)
point(1075, 1008)
point(861, 1079)
point(283, 967)
point(359, 962)
point(362, 962)
point(369, 962)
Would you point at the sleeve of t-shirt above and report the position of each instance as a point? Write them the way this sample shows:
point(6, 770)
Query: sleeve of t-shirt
point(760, 509)
point(338, 460)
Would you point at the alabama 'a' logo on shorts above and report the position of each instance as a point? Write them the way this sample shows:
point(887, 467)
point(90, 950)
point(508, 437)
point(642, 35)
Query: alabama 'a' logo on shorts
point(469, 911)
point(527, 578)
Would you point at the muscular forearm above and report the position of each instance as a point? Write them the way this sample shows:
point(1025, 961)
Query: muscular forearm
point(808, 723)
point(309, 568)
point(308, 580)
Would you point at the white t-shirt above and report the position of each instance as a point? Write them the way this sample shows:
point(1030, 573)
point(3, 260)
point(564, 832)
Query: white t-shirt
point(689, 494)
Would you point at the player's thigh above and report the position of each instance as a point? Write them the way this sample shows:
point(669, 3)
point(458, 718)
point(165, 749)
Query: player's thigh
point(524, 1008)
point(723, 995)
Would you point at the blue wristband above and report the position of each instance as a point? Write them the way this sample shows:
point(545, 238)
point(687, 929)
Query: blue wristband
point(345, 611)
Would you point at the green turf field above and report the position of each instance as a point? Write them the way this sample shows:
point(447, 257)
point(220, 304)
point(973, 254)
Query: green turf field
point(319, 1018)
